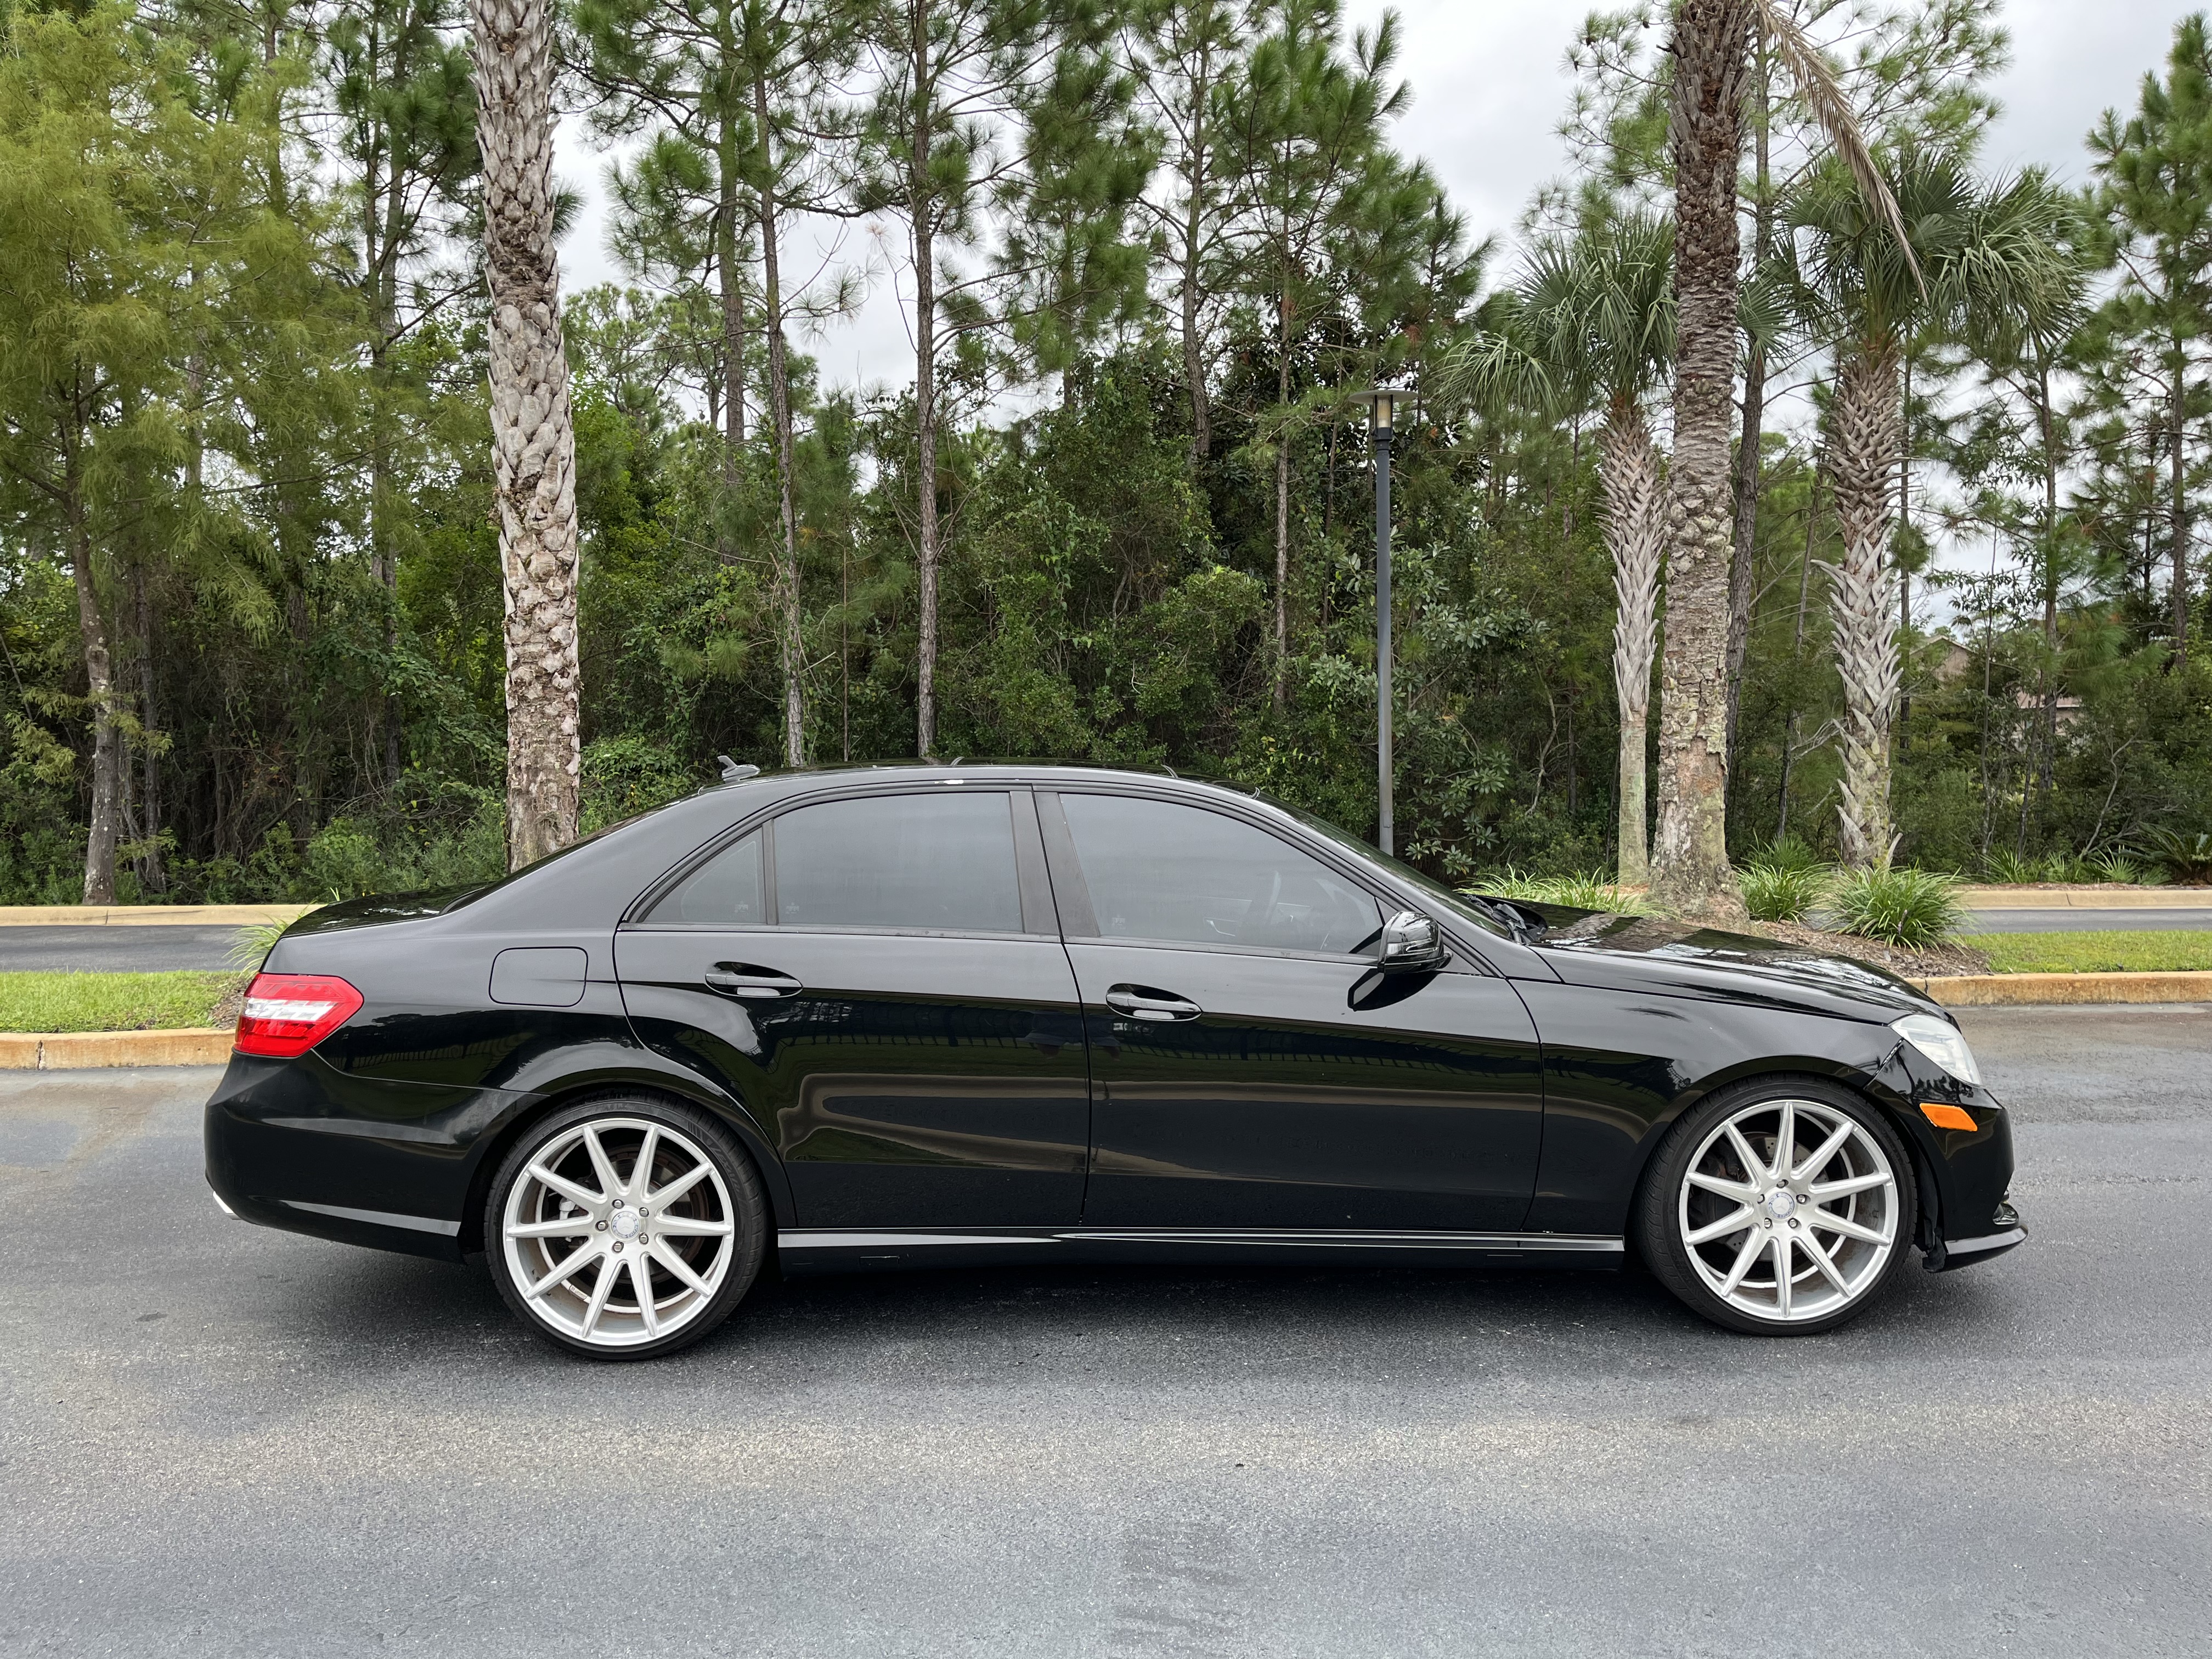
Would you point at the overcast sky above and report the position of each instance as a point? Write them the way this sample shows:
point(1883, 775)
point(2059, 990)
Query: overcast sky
point(1489, 87)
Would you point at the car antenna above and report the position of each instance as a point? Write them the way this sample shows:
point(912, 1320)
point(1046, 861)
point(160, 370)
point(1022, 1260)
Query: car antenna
point(733, 773)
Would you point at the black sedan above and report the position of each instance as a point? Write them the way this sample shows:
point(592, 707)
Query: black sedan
point(930, 1015)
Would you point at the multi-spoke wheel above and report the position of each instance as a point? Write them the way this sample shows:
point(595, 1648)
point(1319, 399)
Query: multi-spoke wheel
point(1779, 1209)
point(625, 1227)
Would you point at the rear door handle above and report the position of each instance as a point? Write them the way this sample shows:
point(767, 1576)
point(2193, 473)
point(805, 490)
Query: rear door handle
point(1143, 1002)
point(754, 984)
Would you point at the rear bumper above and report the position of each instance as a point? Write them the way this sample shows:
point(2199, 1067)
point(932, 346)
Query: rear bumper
point(298, 1145)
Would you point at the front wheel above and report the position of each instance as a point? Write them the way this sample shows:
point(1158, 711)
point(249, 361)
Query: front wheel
point(1779, 1209)
point(625, 1229)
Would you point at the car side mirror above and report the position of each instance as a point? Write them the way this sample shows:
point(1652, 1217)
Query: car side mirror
point(1410, 945)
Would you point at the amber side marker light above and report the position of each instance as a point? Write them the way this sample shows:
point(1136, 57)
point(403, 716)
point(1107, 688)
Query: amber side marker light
point(1948, 1117)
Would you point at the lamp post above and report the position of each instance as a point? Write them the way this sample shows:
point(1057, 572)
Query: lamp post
point(1381, 406)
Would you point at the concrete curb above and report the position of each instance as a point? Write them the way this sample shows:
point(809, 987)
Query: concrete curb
point(2054, 990)
point(148, 915)
point(2085, 898)
point(62, 1051)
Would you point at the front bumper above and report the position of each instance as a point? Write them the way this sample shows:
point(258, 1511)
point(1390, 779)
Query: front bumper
point(1965, 1252)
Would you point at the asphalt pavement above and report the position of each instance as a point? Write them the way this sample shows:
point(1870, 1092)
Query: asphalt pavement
point(2085, 922)
point(217, 1439)
point(115, 949)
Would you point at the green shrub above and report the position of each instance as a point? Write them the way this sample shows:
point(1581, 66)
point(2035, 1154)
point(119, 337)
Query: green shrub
point(1775, 893)
point(2010, 869)
point(2184, 858)
point(1590, 890)
point(2116, 864)
point(1911, 909)
point(1789, 853)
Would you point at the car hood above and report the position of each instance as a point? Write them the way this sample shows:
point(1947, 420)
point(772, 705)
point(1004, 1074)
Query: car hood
point(1597, 947)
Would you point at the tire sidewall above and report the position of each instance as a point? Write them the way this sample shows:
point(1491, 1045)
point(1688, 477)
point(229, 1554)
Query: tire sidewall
point(748, 1205)
point(1659, 1239)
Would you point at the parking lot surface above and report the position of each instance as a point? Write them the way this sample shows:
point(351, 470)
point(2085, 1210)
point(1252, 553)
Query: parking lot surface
point(216, 1439)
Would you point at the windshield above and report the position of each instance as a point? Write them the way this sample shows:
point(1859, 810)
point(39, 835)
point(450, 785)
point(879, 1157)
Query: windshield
point(1461, 905)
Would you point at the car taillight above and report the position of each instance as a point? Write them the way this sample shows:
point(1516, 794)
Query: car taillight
point(287, 1014)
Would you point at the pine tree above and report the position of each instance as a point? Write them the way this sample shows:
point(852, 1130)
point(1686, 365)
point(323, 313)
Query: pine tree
point(2155, 179)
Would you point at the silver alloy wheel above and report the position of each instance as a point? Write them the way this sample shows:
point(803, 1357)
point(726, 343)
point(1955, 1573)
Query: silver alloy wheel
point(1785, 1231)
point(618, 1231)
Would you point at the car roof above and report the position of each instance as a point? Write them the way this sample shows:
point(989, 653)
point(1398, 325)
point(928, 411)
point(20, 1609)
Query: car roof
point(996, 769)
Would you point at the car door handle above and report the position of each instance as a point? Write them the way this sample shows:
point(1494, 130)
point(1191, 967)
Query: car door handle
point(754, 984)
point(1143, 1002)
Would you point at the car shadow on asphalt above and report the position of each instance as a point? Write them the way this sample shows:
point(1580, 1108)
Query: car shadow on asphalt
point(1137, 1321)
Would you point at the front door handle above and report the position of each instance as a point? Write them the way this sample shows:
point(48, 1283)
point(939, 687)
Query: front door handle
point(1143, 1002)
point(753, 984)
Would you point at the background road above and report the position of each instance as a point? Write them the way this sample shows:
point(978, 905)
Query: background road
point(2085, 921)
point(119, 949)
point(216, 1439)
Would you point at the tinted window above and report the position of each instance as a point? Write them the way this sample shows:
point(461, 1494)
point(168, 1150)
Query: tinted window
point(942, 861)
point(1159, 871)
point(725, 891)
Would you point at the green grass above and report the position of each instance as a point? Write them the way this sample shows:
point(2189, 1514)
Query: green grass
point(110, 1002)
point(2095, 953)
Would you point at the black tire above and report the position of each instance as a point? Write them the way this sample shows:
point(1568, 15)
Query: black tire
point(613, 1323)
point(1661, 1208)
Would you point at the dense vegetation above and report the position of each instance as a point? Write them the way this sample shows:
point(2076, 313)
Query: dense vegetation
point(245, 478)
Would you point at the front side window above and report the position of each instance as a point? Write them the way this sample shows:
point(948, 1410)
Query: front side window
point(1157, 870)
point(941, 862)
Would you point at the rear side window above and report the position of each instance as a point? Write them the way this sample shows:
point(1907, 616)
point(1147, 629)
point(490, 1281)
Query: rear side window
point(1160, 871)
point(725, 891)
point(943, 862)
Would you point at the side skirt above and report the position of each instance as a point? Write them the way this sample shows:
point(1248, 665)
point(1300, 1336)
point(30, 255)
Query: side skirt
point(804, 1250)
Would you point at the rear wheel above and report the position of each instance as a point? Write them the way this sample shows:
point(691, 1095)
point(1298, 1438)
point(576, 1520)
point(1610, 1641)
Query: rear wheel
point(1782, 1208)
point(625, 1229)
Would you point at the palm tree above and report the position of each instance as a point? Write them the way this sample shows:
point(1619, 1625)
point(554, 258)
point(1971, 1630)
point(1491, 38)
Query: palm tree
point(1977, 256)
point(1590, 325)
point(533, 437)
point(1710, 53)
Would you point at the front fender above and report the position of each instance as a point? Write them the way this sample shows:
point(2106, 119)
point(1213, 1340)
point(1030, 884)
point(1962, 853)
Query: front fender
point(1622, 1068)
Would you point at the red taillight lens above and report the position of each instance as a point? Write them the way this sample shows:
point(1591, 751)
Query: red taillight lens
point(288, 1014)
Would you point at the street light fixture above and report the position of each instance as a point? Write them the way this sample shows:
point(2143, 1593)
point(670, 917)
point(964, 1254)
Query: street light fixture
point(1382, 408)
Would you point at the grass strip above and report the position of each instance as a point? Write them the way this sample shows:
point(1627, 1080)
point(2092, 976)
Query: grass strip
point(111, 1002)
point(2146, 951)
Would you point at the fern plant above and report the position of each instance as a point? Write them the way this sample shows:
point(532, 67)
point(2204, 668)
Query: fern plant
point(2186, 860)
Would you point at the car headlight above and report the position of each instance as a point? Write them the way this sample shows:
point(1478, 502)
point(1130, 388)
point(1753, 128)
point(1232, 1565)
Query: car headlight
point(1941, 1042)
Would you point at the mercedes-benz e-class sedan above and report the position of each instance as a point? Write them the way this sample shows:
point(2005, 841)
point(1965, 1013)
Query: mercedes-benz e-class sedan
point(933, 1014)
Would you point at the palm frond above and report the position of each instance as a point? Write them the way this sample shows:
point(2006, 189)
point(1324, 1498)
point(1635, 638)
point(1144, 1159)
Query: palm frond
point(1824, 96)
point(1495, 372)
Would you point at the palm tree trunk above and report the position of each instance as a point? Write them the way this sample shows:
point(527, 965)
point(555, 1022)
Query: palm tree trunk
point(1689, 872)
point(533, 436)
point(1754, 414)
point(1635, 533)
point(1868, 418)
